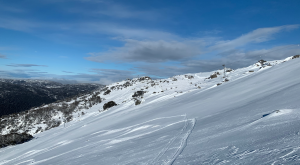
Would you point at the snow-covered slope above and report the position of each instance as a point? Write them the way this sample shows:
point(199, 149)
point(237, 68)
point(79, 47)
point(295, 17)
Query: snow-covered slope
point(254, 118)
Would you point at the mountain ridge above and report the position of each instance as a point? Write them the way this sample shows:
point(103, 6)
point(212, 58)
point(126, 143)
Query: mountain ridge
point(251, 119)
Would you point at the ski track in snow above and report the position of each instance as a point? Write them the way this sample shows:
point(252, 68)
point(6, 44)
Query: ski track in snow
point(183, 142)
point(182, 136)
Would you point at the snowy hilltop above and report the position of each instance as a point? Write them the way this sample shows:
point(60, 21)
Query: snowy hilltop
point(244, 116)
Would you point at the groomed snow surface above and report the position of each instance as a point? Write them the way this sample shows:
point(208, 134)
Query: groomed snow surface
point(254, 118)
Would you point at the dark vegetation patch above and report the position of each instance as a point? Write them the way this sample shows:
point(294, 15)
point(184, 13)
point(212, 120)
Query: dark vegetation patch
point(295, 56)
point(137, 102)
point(25, 121)
point(109, 105)
point(262, 61)
point(13, 139)
point(129, 82)
point(214, 75)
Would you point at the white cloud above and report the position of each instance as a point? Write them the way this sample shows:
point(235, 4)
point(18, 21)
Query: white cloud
point(256, 36)
point(25, 65)
point(121, 31)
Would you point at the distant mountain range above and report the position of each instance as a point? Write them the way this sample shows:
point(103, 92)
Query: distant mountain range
point(20, 95)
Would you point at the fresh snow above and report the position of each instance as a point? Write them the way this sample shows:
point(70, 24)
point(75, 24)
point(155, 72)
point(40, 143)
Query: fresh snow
point(251, 119)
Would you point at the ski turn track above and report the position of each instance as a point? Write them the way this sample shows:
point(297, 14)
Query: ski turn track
point(176, 145)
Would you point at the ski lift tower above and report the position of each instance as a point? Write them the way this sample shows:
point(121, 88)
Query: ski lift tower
point(224, 71)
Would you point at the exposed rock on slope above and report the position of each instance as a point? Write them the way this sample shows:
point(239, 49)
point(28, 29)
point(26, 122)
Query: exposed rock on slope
point(138, 94)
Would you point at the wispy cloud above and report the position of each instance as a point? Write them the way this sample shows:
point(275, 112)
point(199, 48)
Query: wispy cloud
point(256, 36)
point(93, 11)
point(184, 52)
point(18, 24)
point(102, 76)
point(7, 48)
point(157, 51)
point(108, 76)
point(120, 31)
point(144, 46)
point(114, 10)
point(67, 72)
point(11, 9)
point(21, 73)
point(151, 51)
point(25, 65)
point(210, 32)
point(234, 59)
point(113, 30)
point(3, 56)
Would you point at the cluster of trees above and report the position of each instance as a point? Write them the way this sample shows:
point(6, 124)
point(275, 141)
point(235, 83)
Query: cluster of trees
point(26, 121)
point(14, 138)
point(20, 95)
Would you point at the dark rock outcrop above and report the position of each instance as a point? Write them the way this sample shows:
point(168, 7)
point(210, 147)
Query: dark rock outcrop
point(144, 78)
point(262, 62)
point(107, 92)
point(138, 93)
point(189, 76)
point(215, 75)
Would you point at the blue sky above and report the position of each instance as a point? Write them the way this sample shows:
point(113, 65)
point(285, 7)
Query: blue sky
point(105, 41)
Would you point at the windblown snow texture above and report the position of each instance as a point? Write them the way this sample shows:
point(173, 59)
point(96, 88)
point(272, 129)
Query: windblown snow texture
point(251, 119)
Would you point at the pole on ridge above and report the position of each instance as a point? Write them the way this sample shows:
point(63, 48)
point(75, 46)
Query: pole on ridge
point(224, 71)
